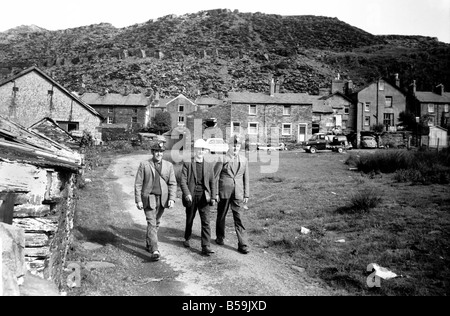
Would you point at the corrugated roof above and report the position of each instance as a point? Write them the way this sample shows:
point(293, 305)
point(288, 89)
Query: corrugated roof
point(278, 98)
point(115, 99)
point(425, 96)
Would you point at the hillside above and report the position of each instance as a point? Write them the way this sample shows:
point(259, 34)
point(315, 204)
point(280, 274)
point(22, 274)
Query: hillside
point(222, 50)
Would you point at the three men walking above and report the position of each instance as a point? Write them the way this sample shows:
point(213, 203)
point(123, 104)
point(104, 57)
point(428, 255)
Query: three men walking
point(203, 183)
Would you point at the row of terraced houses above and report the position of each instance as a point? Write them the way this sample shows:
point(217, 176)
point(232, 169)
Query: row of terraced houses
point(32, 95)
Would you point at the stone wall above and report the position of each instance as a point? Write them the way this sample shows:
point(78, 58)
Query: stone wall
point(44, 207)
point(195, 121)
point(270, 119)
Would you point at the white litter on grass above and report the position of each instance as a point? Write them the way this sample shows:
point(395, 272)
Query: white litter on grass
point(383, 273)
point(305, 231)
point(340, 240)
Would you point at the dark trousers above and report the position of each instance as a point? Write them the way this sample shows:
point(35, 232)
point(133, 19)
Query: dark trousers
point(199, 203)
point(222, 210)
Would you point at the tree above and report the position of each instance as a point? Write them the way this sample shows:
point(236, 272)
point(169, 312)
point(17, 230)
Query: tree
point(161, 123)
point(408, 120)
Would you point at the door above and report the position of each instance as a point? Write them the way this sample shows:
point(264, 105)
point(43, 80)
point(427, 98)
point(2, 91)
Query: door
point(302, 132)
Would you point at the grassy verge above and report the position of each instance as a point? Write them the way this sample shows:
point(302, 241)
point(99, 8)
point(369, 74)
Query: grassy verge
point(355, 219)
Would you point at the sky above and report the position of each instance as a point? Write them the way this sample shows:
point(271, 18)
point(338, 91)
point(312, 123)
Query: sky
point(378, 17)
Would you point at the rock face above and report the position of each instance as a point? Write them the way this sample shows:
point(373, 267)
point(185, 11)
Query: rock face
point(219, 50)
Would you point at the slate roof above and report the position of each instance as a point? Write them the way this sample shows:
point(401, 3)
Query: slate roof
point(278, 98)
point(115, 99)
point(180, 96)
point(431, 97)
point(20, 144)
point(67, 92)
point(51, 129)
point(208, 101)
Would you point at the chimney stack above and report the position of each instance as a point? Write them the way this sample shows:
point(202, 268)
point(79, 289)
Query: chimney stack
point(413, 87)
point(397, 81)
point(272, 87)
point(440, 89)
point(349, 87)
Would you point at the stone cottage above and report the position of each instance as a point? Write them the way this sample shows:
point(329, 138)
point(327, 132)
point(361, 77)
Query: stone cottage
point(38, 180)
point(132, 110)
point(32, 95)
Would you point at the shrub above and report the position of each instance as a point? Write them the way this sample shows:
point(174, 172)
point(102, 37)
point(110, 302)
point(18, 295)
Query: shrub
point(362, 202)
point(415, 166)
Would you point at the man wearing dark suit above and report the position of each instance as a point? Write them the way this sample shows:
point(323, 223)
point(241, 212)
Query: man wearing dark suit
point(155, 189)
point(199, 190)
point(232, 171)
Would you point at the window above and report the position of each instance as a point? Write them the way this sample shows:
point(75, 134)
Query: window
point(15, 89)
point(110, 109)
point(287, 110)
point(430, 108)
point(180, 108)
point(346, 110)
point(109, 120)
point(180, 119)
point(367, 107)
point(367, 121)
point(286, 129)
point(388, 119)
point(235, 127)
point(68, 126)
point(135, 111)
point(253, 128)
point(388, 102)
point(50, 92)
point(134, 119)
point(252, 109)
point(381, 85)
point(446, 108)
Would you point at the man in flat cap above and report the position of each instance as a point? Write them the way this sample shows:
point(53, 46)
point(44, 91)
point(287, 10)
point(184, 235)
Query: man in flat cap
point(232, 171)
point(155, 189)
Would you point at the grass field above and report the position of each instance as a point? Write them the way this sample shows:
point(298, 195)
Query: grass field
point(354, 218)
point(399, 226)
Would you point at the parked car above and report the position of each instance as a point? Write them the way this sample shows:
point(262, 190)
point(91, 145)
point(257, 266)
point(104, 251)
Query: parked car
point(321, 141)
point(217, 145)
point(368, 142)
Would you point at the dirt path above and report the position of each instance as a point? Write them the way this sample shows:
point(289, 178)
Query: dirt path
point(184, 271)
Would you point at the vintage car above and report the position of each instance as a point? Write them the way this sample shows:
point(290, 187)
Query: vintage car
point(368, 142)
point(217, 145)
point(321, 141)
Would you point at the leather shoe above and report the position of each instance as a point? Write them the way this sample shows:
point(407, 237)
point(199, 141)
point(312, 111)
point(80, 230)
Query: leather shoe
point(207, 251)
point(186, 244)
point(244, 250)
point(156, 255)
point(219, 242)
